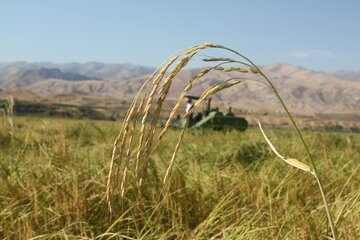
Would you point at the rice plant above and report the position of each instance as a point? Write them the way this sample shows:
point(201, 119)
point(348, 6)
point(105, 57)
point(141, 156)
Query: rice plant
point(139, 130)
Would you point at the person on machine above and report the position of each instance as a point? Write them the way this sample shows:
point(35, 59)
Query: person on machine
point(189, 105)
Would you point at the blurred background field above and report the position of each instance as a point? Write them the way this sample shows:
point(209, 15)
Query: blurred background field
point(224, 185)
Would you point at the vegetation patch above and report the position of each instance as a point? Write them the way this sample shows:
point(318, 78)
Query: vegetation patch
point(54, 171)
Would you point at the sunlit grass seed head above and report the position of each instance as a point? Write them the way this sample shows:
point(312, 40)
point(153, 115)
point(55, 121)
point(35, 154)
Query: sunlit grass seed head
point(124, 161)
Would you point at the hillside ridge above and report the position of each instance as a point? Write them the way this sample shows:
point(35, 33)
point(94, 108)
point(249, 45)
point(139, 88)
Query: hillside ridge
point(303, 90)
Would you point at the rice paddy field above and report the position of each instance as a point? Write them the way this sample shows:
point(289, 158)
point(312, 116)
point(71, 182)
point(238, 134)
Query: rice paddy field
point(224, 185)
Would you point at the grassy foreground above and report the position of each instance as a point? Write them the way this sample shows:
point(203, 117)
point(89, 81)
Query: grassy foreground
point(225, 185)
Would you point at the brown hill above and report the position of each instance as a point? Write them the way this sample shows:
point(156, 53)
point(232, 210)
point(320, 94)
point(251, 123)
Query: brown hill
point(304, 91)
point(20, 71)
point(348, 75)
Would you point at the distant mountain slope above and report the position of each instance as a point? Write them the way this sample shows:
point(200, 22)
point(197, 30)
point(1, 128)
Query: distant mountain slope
point(304, 91)
point(17, 71)
point(54, 73)
point(107, 71)
point(348, 75)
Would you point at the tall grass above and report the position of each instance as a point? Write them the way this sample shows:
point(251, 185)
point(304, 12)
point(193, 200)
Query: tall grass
point(157, 87)
point(224, 185)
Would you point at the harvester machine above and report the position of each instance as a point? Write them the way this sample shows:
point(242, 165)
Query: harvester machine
point(212, 118)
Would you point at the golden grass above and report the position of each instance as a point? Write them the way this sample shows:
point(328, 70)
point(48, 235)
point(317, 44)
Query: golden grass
point(224, 185)
point(148, 141)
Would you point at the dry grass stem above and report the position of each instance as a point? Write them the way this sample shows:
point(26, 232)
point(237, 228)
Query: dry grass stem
point(136, 117)
point(171, 163)
point(180, 99)
point(157, 89)
point(291, 161)
point(211, 91)
point(156, 83)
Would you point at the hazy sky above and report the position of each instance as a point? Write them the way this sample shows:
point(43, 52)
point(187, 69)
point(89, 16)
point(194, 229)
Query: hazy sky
point(319, 35)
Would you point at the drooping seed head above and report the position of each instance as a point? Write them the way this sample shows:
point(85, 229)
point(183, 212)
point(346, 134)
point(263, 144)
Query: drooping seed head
point(228, 69)
point(209, 44)
point(254, 70)
point(218, 60)
point(219, 68)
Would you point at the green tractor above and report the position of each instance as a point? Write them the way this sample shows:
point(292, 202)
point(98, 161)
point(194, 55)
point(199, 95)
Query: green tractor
point(212, 118)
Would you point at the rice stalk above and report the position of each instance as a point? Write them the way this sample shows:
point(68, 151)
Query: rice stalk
point(186, 90)
point(113, 178)
point(163, 93)
point(291, 161)
point(171, 163)
point(120, 140)
point(127, 158)
point(211, 91)
point(254, 69)
point(147, 134)
point(156, 83)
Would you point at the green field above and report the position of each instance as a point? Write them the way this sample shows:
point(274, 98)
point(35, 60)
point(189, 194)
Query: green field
point(225, 185)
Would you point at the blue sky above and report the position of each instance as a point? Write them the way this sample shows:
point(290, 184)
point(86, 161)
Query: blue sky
point(318, 35)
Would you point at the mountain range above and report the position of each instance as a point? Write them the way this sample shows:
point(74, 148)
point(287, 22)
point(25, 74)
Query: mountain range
point(304, 91)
